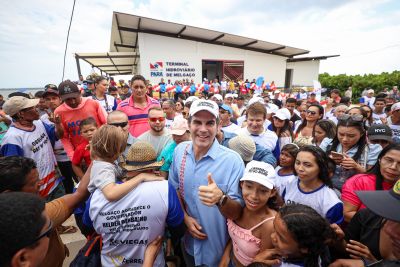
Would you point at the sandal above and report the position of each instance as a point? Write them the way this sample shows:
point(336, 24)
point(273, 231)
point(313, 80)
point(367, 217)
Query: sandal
point(70, 229)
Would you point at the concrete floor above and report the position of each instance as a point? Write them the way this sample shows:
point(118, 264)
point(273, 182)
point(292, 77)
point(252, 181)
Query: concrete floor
point(73, 241)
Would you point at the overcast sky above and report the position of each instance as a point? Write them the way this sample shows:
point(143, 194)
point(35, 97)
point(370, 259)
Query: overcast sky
point(366, 33)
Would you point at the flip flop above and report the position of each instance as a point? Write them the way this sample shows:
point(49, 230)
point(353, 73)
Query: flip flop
point(70, 229)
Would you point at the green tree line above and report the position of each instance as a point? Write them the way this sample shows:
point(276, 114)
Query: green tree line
point(359, 82)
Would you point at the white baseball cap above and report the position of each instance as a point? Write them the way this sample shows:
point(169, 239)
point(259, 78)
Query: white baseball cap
point(228, 96)
point(395, 106)
point(192, 98)
point(272, 108)
point(218, 97)
point(260, 172)
point(206, 105)
point(283, 114)
point(255, 100)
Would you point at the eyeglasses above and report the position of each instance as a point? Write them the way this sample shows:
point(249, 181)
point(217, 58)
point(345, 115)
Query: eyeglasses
point(355, 117)
point(46, 233)
point(222, 111)
point(311, 112)
point(161, 119)
point(119, 124)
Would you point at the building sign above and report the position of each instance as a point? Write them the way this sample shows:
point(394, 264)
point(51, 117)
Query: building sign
point(173, 69)
point(156, 69)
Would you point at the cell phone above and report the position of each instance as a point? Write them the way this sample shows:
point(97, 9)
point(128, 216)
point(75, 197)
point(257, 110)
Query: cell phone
point(337, 155)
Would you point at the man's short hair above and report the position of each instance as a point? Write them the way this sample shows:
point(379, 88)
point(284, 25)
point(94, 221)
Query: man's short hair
point(335, 91)
point(257, 108)
point(345, 100)
point(21, 223)
point(291, 100)
point(138, 77)
point(13, 172)
point(298, 103)
point(154, 108)
point(112, 89)
point(380, 100)
point(39, 94)
point(170, 102)
point(115, 113)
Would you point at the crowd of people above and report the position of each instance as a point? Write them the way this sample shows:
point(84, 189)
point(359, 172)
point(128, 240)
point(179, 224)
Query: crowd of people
point(251, 178)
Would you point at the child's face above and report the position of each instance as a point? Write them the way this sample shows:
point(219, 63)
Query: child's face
point(87, 131)
point(255, 195)
point(285, 159)
point(283, 241)
point(306, 166)
point(379, 106)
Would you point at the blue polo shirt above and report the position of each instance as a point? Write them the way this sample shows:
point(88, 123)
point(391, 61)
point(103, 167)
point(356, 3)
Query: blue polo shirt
point(226, 168)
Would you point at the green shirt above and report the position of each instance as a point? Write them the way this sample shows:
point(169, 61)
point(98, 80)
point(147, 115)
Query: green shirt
point(167, 153)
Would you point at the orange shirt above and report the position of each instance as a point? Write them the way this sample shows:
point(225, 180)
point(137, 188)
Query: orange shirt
point(72, 117)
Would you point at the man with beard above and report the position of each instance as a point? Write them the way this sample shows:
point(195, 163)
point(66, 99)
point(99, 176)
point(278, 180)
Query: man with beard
point(157, 136)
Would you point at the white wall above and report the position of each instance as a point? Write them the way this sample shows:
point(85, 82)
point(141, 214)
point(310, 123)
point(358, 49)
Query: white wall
point(304, 72)
point(154, 48)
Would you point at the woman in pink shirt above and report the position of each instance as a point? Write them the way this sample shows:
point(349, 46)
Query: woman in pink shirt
point(382, 176)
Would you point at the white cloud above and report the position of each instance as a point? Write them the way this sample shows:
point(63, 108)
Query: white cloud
point(33, 33)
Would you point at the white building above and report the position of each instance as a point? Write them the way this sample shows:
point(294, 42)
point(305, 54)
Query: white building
point(159, 49)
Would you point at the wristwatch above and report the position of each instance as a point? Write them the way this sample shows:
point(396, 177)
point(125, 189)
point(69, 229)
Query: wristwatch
point(222, 200)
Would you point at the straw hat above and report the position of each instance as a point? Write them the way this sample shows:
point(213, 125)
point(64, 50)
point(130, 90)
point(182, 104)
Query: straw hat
point(141, 156)
point(244, 146)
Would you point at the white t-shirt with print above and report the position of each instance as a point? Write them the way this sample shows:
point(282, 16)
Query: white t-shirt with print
point(267, 139)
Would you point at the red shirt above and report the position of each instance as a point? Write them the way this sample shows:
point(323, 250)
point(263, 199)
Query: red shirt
point(360, 182)
point(137, 116)
point(81, 153)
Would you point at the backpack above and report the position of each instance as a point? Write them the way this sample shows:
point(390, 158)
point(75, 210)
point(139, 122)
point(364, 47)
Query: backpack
point(90, 254)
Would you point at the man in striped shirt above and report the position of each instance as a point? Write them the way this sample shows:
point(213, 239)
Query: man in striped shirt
point(137, 106)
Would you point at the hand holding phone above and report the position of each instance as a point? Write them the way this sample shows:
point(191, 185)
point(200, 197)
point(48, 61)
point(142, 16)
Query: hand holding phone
point(336, 155)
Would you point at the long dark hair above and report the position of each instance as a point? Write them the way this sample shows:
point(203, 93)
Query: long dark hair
point(362, 142)
point(286, 127)
point(309, 229)
point(327, 126)
point(322, 161)
point(292, 149)
point(304, 122)
point(376, 169)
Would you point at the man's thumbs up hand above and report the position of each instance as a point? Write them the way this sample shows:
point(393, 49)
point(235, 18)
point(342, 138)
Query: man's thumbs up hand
point(210, 179)
point(210, 194)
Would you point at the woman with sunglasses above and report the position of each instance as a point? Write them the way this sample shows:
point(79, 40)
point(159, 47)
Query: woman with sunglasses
point(382, 176)
point(350, 150)
point(304, 131)
point(369, 120)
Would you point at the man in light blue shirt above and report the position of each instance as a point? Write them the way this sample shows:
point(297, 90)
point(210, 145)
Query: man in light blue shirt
point(206, 176)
